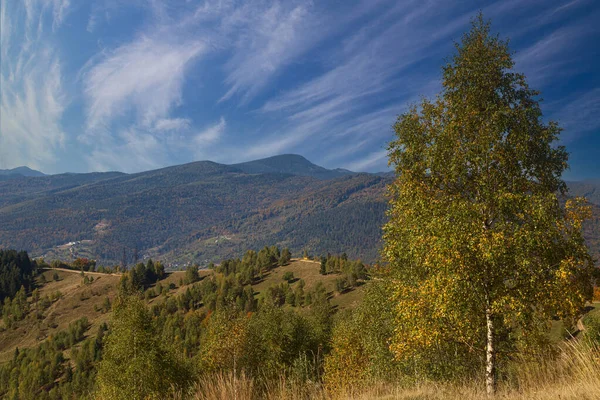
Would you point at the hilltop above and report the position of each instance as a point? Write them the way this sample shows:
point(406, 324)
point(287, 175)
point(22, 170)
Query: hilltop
point(20, 171)
point(292, 164)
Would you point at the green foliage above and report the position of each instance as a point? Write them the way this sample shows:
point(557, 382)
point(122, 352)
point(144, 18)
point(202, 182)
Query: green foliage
point(141, 277)
point(591, 323)
point(216, 324)
point(288, 276)
point(44, 373)
point(84, 264)
point(265, 344)
point(16, 271)
point(135, 364)
point(191, 274)
point(481, 251)
point(285, 257)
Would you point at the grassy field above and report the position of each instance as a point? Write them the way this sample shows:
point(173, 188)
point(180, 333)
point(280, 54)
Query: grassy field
point(79, 300)
point(308, 271)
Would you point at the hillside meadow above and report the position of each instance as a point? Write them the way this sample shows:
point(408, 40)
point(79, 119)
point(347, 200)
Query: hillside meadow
point(572, 373)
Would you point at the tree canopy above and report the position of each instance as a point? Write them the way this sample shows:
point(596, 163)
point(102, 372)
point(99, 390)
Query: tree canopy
point(482, 251)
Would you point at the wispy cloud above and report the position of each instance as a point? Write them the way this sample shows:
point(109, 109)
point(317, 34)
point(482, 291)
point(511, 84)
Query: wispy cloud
point(164, 82)
point(375, 159)
point(33, 98)
point(172, 124)
point(205, 140)
point(5, 30)
point(364, 72)
point(129, 150)
point(211, 134)
point(37, 9)
point(272, 38)
point(144, 76)
point(578, 115)
point(555, 55)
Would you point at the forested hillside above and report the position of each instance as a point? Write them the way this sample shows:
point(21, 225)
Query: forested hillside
point(196, 212)
point(53, 334)
point(204, 211)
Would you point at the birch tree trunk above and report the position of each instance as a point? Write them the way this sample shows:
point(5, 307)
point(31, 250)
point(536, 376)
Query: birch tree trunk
point(490, 362)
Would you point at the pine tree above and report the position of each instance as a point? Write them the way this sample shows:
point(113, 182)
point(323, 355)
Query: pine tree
point(323, 268)
point(479, 245)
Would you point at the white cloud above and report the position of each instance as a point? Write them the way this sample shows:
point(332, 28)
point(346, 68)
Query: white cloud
point(270, 39)
point(376, 159)
point(172, 124)
point(203, 141)
point(36, 10)
point(578, 115)
point(211, 134)
point(131, 150)
point(5, 30)
point(364, 71)
point(33, 98)
point(556, 55)
point(144, 76)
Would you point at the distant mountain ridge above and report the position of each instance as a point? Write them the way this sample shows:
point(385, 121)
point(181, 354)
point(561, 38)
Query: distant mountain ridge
point(205, 211)
point(21, 171)
point(590, 189)
point(201, 211)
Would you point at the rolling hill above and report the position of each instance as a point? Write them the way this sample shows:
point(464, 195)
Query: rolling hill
point(72, 299)
point(205, 211)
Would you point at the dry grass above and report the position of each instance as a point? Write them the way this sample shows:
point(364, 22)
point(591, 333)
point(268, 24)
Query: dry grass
point(308, 270)
point(225, 387)
point(80, 300)
point(574, 375)
point(77, 301)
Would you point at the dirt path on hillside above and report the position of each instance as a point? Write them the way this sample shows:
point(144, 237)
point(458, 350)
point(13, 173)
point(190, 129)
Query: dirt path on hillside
point(305, 260)
point(85, 272)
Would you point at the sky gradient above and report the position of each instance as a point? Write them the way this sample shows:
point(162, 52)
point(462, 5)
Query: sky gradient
point(137, 85)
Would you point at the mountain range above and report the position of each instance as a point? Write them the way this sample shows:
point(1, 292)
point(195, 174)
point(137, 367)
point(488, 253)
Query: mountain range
point(205, 211)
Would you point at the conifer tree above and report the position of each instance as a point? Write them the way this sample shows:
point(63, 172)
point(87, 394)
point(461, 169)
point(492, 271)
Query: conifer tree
point(323, 267)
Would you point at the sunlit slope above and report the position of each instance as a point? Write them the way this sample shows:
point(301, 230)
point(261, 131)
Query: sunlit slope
point(78, 299)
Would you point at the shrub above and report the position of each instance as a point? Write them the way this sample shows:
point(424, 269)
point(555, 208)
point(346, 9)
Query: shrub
point(288, 276)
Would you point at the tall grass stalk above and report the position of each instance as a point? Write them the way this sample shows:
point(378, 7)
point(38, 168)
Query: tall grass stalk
point(573, 375)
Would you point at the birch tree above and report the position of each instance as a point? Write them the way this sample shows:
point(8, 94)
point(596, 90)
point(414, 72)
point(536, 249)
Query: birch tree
point(482, 249)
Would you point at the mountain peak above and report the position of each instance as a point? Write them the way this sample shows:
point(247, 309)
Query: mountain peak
point(293, 164)
point(21, 171)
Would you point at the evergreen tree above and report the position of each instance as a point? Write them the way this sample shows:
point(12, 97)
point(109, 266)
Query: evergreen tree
point(285, 257)
point(191, 274)
point(323, 268)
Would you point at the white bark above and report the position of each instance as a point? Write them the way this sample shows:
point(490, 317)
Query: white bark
point(490, 365)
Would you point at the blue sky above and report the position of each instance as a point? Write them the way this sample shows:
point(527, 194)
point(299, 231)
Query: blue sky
point(135, 85)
